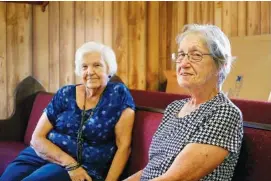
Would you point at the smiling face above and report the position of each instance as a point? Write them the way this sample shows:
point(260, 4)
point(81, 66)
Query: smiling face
point(203, 73)
point(94, 71)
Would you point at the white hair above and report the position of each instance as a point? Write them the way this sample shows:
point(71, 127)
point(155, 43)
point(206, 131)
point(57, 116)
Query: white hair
point(106, 52)
point(218, 44)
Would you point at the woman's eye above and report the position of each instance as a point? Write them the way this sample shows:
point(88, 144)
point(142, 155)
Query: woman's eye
point(97, 65)
point(84, 67)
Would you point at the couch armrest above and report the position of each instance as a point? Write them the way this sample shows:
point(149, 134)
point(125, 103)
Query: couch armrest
point(13, 128)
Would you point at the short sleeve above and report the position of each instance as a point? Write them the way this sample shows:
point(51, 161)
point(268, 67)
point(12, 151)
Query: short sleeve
point(127, 99)
point(56, 106)
point(224, 129)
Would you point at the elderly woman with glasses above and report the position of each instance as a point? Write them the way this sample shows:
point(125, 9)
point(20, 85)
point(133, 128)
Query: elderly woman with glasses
point(200, 137)
point(84, 133)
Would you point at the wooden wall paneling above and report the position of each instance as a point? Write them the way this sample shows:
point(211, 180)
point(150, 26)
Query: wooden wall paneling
point(3, 62)
point(254, 18)
point(54, 44)
point(211, 5)
point(152, 45)
point(206, 12)
point(181, 16)
point(198, 12)
point(265, 17)
point(234, 18)
point(191, 12)
point(218, 13)
point(19, 47)
point(120, 38)
point(98, 23)
point(137, 45)
point(67, 44)
point(80, 12)
point(226, 17)
point(41, 46)
point(89, 21)
point(108, 20)
point(242, 17)
point(171, 18)
point(163, 57)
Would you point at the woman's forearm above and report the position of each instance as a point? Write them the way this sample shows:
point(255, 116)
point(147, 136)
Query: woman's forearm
point(118, 164)
point(49, 151)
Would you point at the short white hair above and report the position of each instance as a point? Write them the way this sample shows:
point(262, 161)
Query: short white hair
point(106, 52)
point(218, 44)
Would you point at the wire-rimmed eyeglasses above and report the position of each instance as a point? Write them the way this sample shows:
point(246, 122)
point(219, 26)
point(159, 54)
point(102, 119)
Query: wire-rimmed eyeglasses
point(192, 56)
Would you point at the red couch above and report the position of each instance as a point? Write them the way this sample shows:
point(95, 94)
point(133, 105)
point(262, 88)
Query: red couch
point(254, 163)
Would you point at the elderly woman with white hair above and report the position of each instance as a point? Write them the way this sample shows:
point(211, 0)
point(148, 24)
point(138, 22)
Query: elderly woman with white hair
point(200, 137)
point(80, 136)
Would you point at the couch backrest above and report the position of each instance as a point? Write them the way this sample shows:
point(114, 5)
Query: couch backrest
point(41, 101)
point(253, 111)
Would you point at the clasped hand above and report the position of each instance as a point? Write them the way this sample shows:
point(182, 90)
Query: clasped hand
point(79, 174)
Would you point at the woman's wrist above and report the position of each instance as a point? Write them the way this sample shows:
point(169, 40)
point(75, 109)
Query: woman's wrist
point(72, 166)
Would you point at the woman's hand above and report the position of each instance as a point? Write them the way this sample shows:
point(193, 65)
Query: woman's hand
point(79, 174)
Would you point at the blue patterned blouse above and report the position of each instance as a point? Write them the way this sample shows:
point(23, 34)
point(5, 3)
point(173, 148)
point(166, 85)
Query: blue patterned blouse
point(98, 131)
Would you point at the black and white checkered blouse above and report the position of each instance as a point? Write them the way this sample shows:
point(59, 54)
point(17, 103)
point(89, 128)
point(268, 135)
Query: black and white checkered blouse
point(216, 122)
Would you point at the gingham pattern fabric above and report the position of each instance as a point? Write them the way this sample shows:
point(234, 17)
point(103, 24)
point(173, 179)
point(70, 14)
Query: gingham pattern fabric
point(216, 122)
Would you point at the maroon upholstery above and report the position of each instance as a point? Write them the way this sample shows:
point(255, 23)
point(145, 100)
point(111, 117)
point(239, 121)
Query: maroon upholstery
point(255, 159)
point(253, 111)
point(154, 99)
point(254, 163)
point(8, 152)
point(145, 125)
point(40, 103)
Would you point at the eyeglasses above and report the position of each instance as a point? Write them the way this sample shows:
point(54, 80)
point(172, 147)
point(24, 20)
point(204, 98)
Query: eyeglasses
point(192, 56)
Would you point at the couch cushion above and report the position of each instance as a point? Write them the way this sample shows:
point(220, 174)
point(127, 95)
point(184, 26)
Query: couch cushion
point(146, 123)
point(8, 152)
point(255, 158)
point(41, 101)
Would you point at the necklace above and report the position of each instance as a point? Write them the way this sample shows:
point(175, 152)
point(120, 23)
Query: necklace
point(80, 139)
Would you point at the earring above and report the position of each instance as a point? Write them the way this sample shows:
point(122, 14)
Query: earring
point(109, 76)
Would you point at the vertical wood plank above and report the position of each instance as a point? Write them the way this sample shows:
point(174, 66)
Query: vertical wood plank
point(137, 45)
point(3, 62)
point(205, 12)
point(19, 47)
point(153, 45)
point(198, 12)
point(265, 17)
point(218, 14)
point(120, 38)
point(170, 29)
point(54, 46)
point(234, 18)
point(79, 28)
point(89, 21)
point(226, 17)
point(242, 17)
point(108, 20)
point(163, 23)
point(98, 23)
point(191, 12)
point(41, 46)
point(212, 12)
point(66, 43)
point(254, 18)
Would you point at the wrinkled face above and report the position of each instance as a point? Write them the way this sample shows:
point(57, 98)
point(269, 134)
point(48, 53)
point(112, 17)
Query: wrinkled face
point(202, 73)
point(94, 71)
